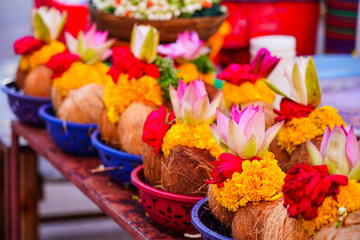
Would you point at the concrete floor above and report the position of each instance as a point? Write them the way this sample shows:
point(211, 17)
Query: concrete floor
point(60, 197)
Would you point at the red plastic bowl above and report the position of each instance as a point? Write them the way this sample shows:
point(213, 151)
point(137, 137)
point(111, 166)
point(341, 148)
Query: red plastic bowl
point(172, 211)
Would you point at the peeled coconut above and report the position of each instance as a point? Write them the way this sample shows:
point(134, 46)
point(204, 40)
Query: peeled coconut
point(56, 98)
point(108, 130)
point(268, 109)
point(20, 78)
point(38, 82)
point(130, 128)
point(152, 165)
point(221, 213)
point(185, 171)
point(83, 105)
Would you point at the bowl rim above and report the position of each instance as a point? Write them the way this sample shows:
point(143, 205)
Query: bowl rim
point(54, 120)
point(112, 151)
point(195, 220)
point(5, 87)
point(159, 193)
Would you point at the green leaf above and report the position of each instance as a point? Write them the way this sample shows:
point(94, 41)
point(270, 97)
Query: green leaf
point(168, 74)
point(203, 64)
point(312, 84)
point(298, 85)
point(275, 89)
point(41, 30)
point(355, 172)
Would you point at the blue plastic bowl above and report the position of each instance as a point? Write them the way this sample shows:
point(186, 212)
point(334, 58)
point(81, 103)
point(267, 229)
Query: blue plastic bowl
point(206, 223)
point(25, 107)
point(123, 162)
point(72, 138)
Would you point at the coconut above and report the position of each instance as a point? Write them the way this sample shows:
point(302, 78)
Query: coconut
point(20, 78)
point(281, 155)
point(130, 128)
point(211, 91)
point(83, 105)
point(56, 98)
point(152, 165)
point(268, 109)
point(108, 130)
point(38, 82)
point(186, 170)
point(221, 213)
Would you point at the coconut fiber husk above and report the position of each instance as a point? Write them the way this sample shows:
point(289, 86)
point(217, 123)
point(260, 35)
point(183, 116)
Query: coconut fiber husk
point(152, 165)
point(38, 82)
point(248, 222)
point(221, 213)
point(56, 98)
point(108, 130)
point(277, 225)
point(268, 109)
point(348, 230)
point(281, 155)
point(211, 91)
point(130, 128)
point(185, 171)
point(20, 78)
point(83, 105)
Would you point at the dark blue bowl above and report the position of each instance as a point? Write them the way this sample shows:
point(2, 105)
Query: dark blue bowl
point(25, 107)
point(122, 162)
point(72, 138)
point(206, 223)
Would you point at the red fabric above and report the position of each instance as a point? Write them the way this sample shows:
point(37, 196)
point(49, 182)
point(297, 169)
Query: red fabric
point(156, 126)
point(61, 62)
point(306, 187)
point(224, 168)
point(27, 45)
point(290, 109)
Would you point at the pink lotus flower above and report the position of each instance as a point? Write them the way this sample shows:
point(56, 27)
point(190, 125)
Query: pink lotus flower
point(191, 103)
point(91, 46)
point(339, 150)
point(263, 63)
point(187, 46)
point(243, 134)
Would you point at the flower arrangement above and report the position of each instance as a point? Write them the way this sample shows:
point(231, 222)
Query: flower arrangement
point(299, 109)
point(246, 175)
point(159, 9)
point(180, 141)
point(32, 76)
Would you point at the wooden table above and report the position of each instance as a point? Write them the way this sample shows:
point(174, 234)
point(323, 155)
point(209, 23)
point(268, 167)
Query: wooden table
point(113, 199)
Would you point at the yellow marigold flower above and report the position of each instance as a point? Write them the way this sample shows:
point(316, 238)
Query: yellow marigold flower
point(80, 74)
point(295, 131)
point(188, 72)
point(41, 56)
point(260, 180)
point(118, 96)
point(247, 92)
point(348, 197)
point(198, 136)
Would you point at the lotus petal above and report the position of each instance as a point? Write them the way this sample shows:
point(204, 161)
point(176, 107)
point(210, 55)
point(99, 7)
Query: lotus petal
point(352, 148)
point(315, 155)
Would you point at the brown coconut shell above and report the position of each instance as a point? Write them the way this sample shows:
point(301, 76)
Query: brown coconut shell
point(38, 82)
point(185, 171)
point(152, 165)
point(56, 98)
point(248, 222)
point(348, 230)
point(268, 109)
point(108, 130)
point(301, 154)
point(131, 125)
point(221, 213)
point(83, 105)
point(20, 78)
point(211, 91)
point(277, 225)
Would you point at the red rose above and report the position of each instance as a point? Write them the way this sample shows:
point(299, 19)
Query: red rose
point(306, 187)
point(290, 109)
point(224, 168)
point(27, 45)
point(155, 127)
point(136, 70)
point(237, 74)
point(152, 71)
point(61, 62)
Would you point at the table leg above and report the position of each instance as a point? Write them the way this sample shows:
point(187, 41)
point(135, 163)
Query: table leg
point(14, 171)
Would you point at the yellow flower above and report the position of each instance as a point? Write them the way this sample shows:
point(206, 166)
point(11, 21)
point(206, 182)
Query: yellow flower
point(198, 136)
point(80, 74)
point(295, 131)
point(260, 180)
point(118, 96)
point(348, 197)
point(189, 72)
point(247, 92)
point(41, 56)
